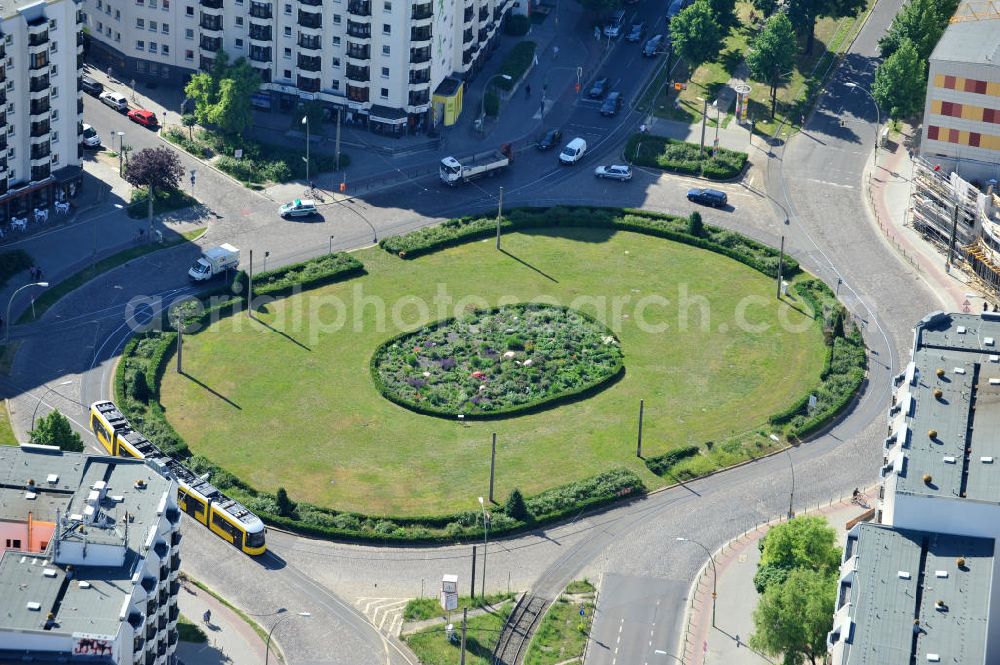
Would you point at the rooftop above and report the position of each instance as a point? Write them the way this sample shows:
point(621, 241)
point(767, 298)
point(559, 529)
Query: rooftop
point(82, 598)
point(954, 434)
point(900, 576)
point(973, 41)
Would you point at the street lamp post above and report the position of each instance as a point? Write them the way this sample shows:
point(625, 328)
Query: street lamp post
point(121, 146)
point(791, 493)
point(42, 399)
point(878, 116)
point(267, 646)
point(486, 89)
point(715, 572)
point(7, 321)
point(486, 528)
point(305, 121)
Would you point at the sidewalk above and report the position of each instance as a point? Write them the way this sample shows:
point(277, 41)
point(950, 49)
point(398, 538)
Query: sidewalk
point(230, 639)
point(737, 597)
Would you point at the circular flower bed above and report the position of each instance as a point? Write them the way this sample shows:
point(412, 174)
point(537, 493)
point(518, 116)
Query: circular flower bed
point(498, 361)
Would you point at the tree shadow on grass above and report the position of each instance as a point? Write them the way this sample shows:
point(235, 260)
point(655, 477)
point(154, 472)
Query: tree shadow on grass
point(730, 60)
point(211, 390)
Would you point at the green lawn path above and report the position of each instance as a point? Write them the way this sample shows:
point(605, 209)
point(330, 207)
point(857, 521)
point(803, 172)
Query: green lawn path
point(432, 647)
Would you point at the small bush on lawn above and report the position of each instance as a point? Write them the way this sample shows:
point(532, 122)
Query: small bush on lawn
point(517, 62)
point(13, 262)
point(682, 157)
point(165, 201)
point(661, 465)
point(191, 146)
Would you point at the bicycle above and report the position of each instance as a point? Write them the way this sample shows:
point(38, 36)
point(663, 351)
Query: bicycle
point(860, 499)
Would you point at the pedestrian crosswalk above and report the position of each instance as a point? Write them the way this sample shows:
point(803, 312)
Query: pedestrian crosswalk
point(386, 614)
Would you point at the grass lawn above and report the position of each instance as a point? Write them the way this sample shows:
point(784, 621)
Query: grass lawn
point(433, 648)
point(289, 401)
point(421, 609)
point(832, 37)
point(562, 634)
point(188, 631)
point(53, 294)
point(6, 431)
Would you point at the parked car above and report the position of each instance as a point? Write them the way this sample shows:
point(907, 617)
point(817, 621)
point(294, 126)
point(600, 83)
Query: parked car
point(90, 138)
point(143, 117)
point(573, 152)
point(653, 46)
point(621, 172)
point(115, 100)
point(91, 86)
point(612, 104)
point(673, 10)
point(550, 140)
point(613, 28)
point(708, 197)
point(298, 208)
point(636, 33)
point(599, 88)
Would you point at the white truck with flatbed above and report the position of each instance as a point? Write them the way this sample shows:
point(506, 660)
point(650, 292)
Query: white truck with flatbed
point(455, 170)
point(214, 261)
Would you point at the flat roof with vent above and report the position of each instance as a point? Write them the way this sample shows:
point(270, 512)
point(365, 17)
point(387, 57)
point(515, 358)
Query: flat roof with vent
point(963, 457)
point(900, 575)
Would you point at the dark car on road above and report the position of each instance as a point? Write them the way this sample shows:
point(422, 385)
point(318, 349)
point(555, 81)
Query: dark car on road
point(636, 33)
point(90, 86)
point(551, 139)
point(612, 104)
point(673, 10)
point(599, 89)
point(709, 197)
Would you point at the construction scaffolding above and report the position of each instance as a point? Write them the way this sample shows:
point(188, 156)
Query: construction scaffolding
point(937, 199)
point(977, 10)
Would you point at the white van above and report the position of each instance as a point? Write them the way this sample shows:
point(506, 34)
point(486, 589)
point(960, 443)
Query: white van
point(115, 100)
point(573, 152)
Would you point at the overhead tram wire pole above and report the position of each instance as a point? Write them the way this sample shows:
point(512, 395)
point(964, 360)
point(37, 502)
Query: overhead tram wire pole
point(305, 121)
point(267, 646)
point(791, 493)
point(7, 322)
point(715, 572)
point(486, 528)
point(878, 116)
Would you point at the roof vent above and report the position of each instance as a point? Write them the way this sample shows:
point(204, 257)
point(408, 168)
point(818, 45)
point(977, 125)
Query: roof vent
point(100, 486)
point(34, 607)
point(84, 585)
point(933, 658)
point(988, 341)
point(986, 460)
point(49, 572)
point(995, 382)
point(959, 370)
point(960, 330)
point(117, 498)
point(995, 359)
point(30, 495)
point(940, 573)
point(52, 478)
point(903, 575)
point(948, 459)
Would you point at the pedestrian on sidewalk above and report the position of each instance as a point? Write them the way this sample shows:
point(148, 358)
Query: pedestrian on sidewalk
point(527, 91)
point(737, 640)
point(555, 52)
point(207, 616)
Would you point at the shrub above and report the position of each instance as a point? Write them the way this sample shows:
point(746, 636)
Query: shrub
point(516, 64)
point(491, 104)
point(13, 262)
point(139, 388)
point(517, 25)
point(696, 227)
point(515, 507)
point(682, 157)
point(285, 505)
point(164, 201)
point(307, 274)
point(662, 464)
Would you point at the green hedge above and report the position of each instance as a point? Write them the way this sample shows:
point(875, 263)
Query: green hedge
point(662, 464)
point(669, 154)
point(305, 275)
point(13, 262)
point(464, 229)
point(517, 62)
point(165, 201)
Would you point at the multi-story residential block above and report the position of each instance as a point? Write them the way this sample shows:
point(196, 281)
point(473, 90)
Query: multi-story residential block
point(89, 558)
point(378, 62)
point(961, 129)
point(40, 106)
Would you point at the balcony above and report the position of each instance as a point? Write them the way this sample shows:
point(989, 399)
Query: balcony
point(310, 20)
point(468, 15)
point(3, 74)
point(161, 649)
point(359, 51)
point(307, 84)
point(38, 61)
point(467, 36)
point(357, 94)
point(175, 563)
point(359, 30)
point(138, 643)
point(420, 35)
point(40, 151)
point(418, 56)
point(39, 84)
point(162, 623)
point(312, 42)
point(260, 33)
point(309, 64)
point(359, 8)
point(211, 44)
point(211, 4)
point(261, 10)
point(422, 12)
point(172, 637)
point(358, 74)
point(175, 539)
point(484, 34)
point(38, 39)
point(205, 64)
point(3, 141)
point(150, 630)
point(79, 105)
point(210, 23)
point(311, 3)
point(39, 107)
point(420, 77)
point(420, 97)
point(484, 13)
point(260, 54)
point(150, 658)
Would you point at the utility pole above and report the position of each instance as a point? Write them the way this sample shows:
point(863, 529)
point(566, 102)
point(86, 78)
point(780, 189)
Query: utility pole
point(250, 288)
point(638, 447)
point(336, 159)
point(493, 462)
point(499, 215)
point(180, 340)
point(704, 116)
point(472, 578)
point(465, 620)
point(781, 266)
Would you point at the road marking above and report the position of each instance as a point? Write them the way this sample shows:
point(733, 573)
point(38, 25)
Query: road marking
point(827, 182)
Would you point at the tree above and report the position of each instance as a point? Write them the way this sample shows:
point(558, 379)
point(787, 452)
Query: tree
point(222, 96)
point(202, 90)
point(54, 430)
point(138, 387)
point(725, 11)
point(765, 7)
point(900, 82)
point(696, 34)
point(772, 54)
point(515, 506)
point(695, 226)
point(189, 121)
point(805, 12)
point(285, 505)
point(806, 543)
point(156, 169)
point(922, 22)
point(313, 109)
point(793, 618)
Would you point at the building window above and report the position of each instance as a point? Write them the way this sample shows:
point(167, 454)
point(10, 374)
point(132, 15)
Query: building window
point(188, 54)
point(55, 47)
point(288, 74)
point(387, 7)
point(118, 15)
point(100, 27)
point(239, 21)
point(55, 158)
point(16, 543)
point(336, 40)
point(189, 11)
point(384, 92)
point(166, 4)
point(932, 132)
point(52, 23)
point(152, 47)
point(54, 93)
point(153, 26)
point(140, 45)
point(55, 135)
point(974, 138)
point(140, 24)
point(100, 4)
point(385, 72)
point(288, 10)
point(336, 19)
point(386, 29)
point(336, 62)
point(152, 4)
point(239, 43)
point(287, 52)
point(385, 49)
point(288, 31)
point(188, 33)
point(335, 84)
point(165, 28)
point(166, 49)
point(53, 70)
point(118, 35)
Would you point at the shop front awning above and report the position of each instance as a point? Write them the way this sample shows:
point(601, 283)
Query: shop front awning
point(387, 116)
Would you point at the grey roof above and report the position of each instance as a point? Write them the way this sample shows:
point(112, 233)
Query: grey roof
point(88, 599)
point(900, 575)
point(970, 41)
point(963, 458)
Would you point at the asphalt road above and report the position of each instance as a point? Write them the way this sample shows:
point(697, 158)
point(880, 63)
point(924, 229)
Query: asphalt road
point(635, 545)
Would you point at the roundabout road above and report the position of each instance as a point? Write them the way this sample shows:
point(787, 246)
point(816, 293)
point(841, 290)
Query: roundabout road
point(816, 177)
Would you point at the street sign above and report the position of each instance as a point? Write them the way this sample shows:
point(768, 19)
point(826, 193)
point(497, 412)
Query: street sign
point(583, 612)
point(238, 153)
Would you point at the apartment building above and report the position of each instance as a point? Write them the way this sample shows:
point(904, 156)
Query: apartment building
point(961, 130)
point(919, 586)
point(89, 558)
point(40, 106)
point(378, 62)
